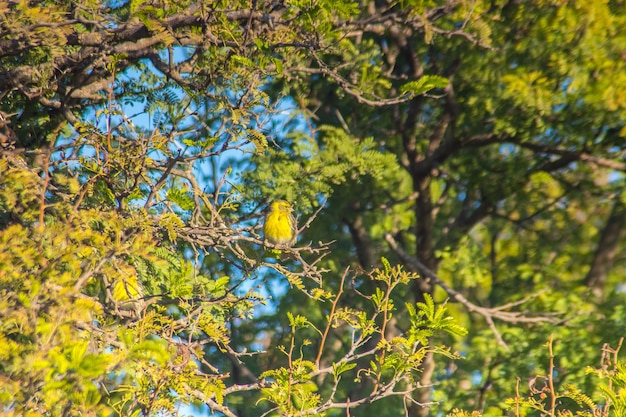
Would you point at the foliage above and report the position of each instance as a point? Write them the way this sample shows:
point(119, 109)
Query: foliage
point(458, 168)
point(571, 401)
point(81, 346)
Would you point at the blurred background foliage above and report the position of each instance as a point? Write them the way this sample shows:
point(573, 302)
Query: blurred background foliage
point(476, 144)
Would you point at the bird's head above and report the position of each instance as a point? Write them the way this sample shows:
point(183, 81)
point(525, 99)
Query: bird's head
point(281, 205)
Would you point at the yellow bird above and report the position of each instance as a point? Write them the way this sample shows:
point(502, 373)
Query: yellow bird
point(127, 294)
point(280, 226)
point(126, 289)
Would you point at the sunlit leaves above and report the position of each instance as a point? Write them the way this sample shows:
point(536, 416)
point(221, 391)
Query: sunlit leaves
point(304, 385)
point(21, 193)
point(424, 84)
point(478, 135)
point(340, 368)
point(339, 159)
point(67, 284)
point(533, 89)
point(182, 198)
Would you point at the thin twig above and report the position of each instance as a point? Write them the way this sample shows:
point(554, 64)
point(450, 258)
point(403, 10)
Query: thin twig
point(312, 217)
point(330, 318)
point(551, 378)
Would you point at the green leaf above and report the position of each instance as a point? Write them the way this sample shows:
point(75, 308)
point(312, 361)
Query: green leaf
point(182, 198)
point(424, 84)
point(341, 367)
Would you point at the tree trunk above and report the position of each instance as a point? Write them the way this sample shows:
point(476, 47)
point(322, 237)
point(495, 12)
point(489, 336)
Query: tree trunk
point(607, 249)
point(424, 250)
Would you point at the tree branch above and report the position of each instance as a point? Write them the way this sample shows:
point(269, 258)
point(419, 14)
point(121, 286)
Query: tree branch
point(570, 156)
point(498, 313)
